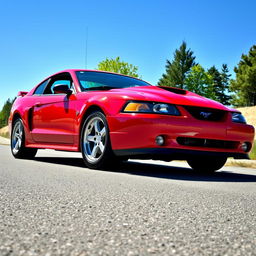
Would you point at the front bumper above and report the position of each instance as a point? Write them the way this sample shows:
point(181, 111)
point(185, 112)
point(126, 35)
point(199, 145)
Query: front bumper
point(135, 134)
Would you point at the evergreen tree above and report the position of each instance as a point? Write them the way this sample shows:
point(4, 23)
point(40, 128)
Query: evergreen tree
point(225, 77)
point(244, 86)
point(177, 70)
point(220, 83)
point(5, 112)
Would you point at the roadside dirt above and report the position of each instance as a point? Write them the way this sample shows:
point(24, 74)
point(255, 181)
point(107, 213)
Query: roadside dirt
point(4, 132)
point(250, 114)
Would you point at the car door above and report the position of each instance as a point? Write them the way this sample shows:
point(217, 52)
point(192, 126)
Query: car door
point(53, 114)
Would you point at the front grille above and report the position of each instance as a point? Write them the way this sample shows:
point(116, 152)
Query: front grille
point(207, 143)
point(206, 114)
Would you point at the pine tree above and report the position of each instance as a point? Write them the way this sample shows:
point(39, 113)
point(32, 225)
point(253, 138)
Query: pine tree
point(217, 81)
point(5, 112)
point(244, 86)
point(225, 77)
point(177, 70)
point(221, 83)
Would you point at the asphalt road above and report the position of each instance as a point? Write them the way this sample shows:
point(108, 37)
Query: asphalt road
point(54, 206)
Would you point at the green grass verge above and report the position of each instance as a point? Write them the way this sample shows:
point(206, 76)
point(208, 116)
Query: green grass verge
point(253, 152)
point(5, 135)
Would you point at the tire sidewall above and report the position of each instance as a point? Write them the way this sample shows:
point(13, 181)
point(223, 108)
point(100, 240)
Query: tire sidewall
point(207, 165)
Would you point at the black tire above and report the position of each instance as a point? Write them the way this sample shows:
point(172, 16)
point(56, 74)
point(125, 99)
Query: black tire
point(207, 164)
point(95, 143)
point(18, 142)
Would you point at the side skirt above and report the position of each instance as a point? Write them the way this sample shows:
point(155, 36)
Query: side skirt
point(56, 147)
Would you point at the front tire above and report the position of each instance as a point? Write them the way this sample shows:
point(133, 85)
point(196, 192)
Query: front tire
point(207, 164)
point(95, 142)
point(18, 142)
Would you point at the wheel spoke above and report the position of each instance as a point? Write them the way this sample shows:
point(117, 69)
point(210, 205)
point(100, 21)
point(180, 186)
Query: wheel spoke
point(16, 147)
point(19, 141)
point(19, 128)
point(90, 138)
point(19, 137)
point(97, 126)
point(89, 130)
point(103, 132)
point(94, 151)
point(101, 147)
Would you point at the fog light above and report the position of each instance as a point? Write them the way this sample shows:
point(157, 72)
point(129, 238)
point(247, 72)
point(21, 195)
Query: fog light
point(160, 140)
point(245, 147)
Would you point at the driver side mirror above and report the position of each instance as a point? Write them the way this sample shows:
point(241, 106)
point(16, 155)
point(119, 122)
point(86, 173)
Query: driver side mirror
point(61, 88)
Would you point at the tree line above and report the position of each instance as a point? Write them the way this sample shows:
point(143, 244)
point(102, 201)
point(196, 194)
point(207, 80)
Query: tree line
point(184, 72)
point(5, 112)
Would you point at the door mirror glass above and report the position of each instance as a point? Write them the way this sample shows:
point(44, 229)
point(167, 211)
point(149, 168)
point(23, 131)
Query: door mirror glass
point(61, 88)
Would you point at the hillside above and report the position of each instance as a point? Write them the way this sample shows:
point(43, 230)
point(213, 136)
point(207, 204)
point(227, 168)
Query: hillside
point(4, 132)
point(250, 114)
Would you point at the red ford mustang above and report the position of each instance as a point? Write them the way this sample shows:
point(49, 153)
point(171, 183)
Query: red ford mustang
point(109, 117)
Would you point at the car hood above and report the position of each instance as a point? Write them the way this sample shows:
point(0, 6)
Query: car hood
point(162, 94)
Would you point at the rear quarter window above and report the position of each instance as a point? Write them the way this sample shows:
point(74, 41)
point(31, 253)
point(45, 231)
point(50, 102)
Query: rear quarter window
point(40, 88)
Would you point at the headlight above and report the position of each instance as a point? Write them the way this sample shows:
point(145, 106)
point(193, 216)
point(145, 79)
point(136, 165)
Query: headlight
point(151, 107)
point(238, 118)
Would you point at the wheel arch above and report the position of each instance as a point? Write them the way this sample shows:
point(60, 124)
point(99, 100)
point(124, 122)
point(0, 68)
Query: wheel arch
point(15, 117)
point(87, 112)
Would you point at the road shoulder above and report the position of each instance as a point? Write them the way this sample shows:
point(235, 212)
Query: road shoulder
point(4, 141)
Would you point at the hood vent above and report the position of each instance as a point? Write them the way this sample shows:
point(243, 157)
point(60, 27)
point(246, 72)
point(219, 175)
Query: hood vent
point(174, 90)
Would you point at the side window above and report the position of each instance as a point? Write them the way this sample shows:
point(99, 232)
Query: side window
point(64, 78)
point(40, 88)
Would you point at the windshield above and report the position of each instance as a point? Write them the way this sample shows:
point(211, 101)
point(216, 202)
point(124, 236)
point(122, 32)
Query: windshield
point(90, 80)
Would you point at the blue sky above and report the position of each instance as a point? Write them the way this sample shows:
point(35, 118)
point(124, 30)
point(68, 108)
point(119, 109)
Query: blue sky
point(39, 38)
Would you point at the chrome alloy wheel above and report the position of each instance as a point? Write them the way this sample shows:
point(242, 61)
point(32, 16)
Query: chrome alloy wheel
point(94, 141)
point(17, 138)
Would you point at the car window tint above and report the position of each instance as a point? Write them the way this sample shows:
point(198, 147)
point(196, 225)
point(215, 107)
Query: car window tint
point(40, 89)
point(91, 79)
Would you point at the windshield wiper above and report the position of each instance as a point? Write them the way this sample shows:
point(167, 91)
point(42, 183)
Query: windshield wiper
point(99, 88)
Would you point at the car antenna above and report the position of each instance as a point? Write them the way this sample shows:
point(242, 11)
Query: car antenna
point(86, 46)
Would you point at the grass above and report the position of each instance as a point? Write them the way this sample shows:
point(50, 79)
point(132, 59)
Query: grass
point(5, 135)
point(253, 152)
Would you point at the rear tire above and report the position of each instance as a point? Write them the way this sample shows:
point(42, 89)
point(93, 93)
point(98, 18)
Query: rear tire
point(95, 143)
point(207, 164)
point(18, 142)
